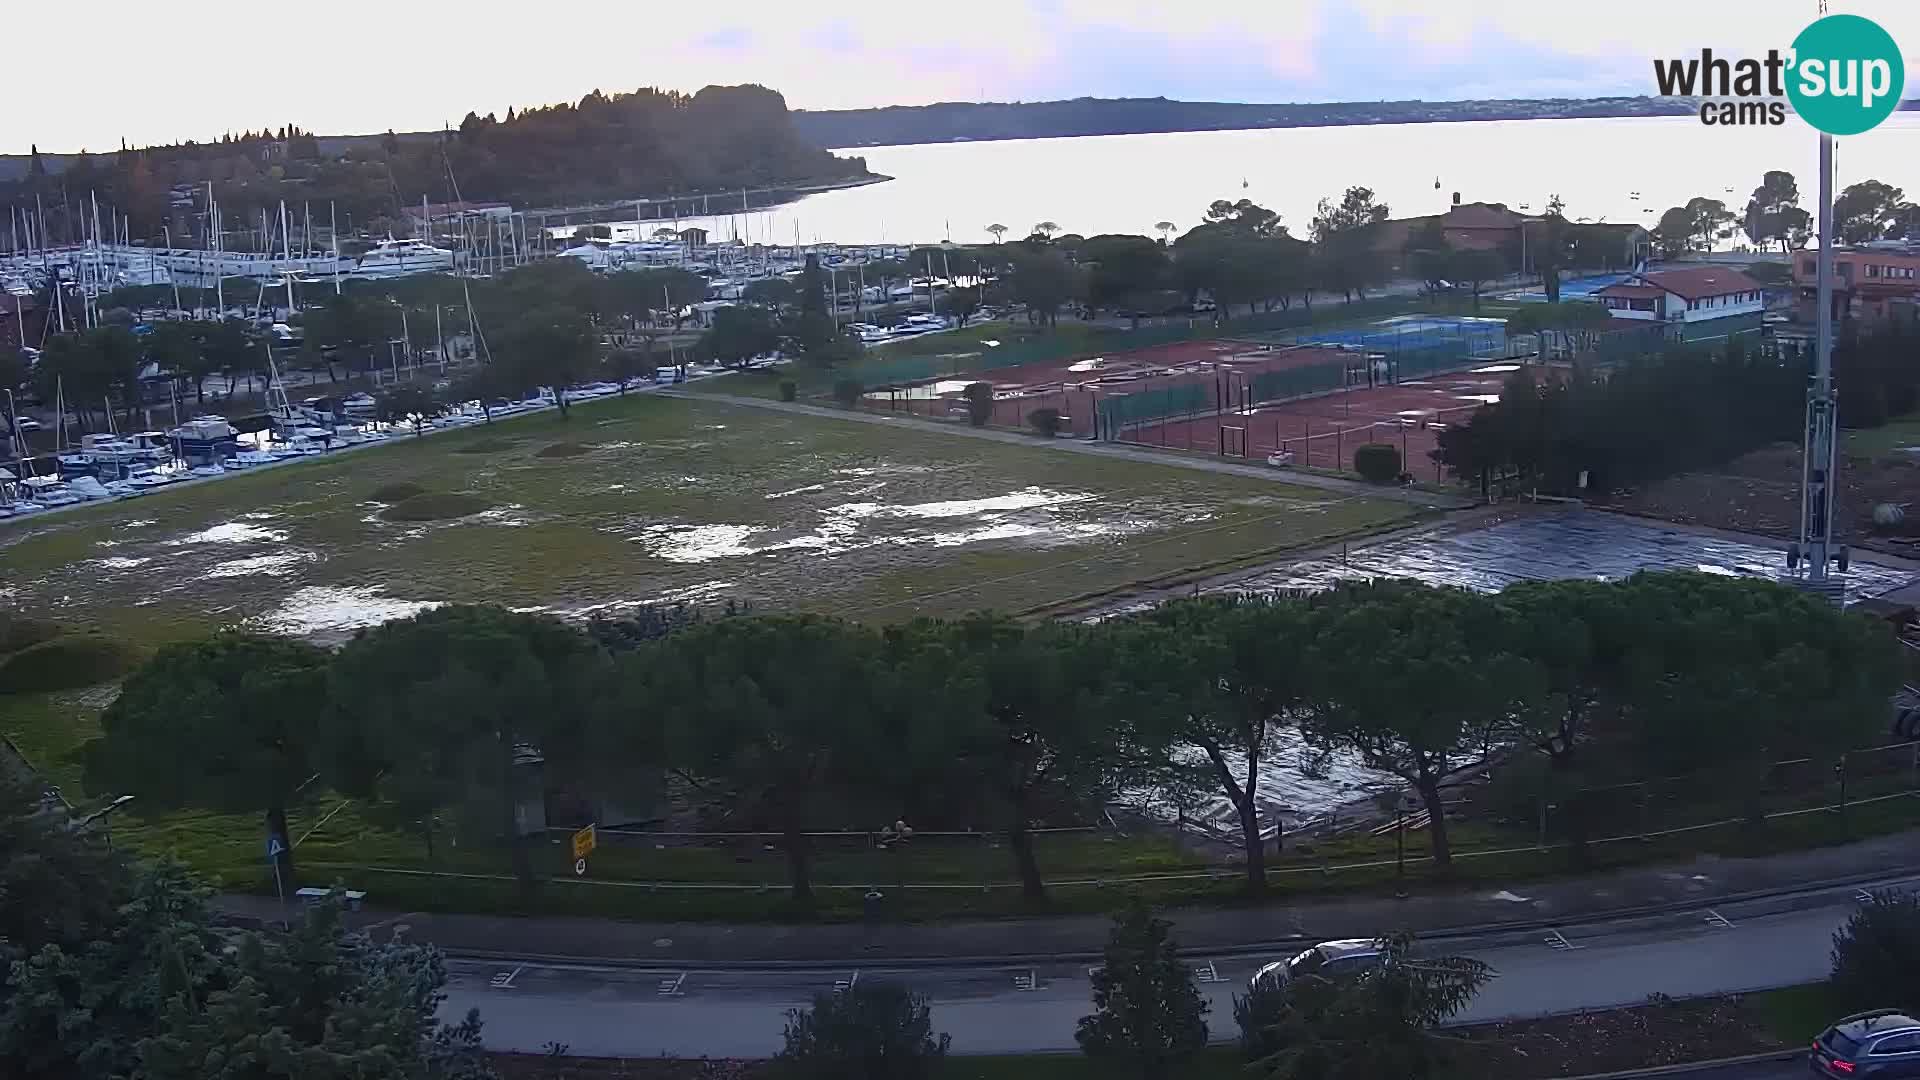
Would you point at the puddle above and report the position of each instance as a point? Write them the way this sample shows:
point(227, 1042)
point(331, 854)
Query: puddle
point(120, 562)
point(1024, 499)
point(233, 532)
point(797, 491)
point(139, 523)
point(267, 565)
point(322, 613)
point(1093, 364)
point(700, 543)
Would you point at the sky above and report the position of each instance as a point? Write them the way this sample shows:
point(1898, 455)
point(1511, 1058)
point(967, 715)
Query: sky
point(172, 72)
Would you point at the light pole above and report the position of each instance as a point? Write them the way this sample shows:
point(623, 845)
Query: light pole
point(1817, 457)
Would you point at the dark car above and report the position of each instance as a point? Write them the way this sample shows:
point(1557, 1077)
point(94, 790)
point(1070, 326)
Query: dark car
point(1883, 1044)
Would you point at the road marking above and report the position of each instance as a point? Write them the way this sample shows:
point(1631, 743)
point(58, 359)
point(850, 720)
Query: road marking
point(843, 985)
point(1862, 896)
point(1207, 973)
point(1029, 981)
point(1557, 940)
point(1092, 972)
point(671, 987)
point(1717, 920)
point(503, 980)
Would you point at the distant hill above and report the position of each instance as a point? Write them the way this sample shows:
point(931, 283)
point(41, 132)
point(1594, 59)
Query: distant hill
point(970, 122)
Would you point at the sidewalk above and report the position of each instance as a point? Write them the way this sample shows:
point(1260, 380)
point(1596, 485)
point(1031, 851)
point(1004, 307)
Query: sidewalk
point(1702, 881)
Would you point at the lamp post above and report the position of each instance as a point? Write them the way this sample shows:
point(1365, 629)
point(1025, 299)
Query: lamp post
point(1400, 810)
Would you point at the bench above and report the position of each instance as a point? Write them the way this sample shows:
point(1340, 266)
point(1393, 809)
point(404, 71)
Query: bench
point(311, 896)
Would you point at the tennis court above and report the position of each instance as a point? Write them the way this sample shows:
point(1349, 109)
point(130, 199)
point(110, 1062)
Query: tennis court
point(1324, 430)
point(1101, 395)
point(1457, 335)
point(1580, 288)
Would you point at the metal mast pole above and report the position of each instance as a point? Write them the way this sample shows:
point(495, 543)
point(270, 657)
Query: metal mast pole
point(1816, 504)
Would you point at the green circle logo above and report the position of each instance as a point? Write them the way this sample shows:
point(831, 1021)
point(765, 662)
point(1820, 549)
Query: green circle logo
point(1846, 75)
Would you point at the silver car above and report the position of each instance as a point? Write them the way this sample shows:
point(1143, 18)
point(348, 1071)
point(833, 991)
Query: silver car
point(1333, 959)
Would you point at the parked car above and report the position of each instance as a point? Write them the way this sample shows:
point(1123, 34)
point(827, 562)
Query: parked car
point(1333, 959)
point(1883, 1044)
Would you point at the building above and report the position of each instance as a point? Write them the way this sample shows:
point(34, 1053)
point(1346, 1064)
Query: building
point(1689, 295)
point(1875, 281)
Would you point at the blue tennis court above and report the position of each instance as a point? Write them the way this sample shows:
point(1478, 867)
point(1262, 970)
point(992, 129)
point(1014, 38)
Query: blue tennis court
point(1404, 334)
point(1580, 288)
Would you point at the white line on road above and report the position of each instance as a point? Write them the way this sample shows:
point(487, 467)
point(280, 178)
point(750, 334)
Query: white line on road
point(504, 980)
point(670, 987)
point(843, 985)
point(1557, 940)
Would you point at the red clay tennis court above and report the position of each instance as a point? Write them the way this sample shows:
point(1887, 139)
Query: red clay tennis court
point(1324, 430)
point(1205, 374)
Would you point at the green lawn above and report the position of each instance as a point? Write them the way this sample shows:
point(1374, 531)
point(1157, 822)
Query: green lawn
point(1884, 440)
point(644, 498)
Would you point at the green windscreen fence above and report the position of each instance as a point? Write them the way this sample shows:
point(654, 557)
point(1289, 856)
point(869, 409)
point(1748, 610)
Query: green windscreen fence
point(1119, 411)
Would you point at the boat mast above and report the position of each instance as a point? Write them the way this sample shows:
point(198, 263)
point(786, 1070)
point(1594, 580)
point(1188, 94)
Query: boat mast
point(333, 233)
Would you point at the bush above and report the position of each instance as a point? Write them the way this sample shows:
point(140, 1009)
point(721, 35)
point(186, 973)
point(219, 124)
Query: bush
point(1147, 1015)
point(1258, 1013)
point(1045, 421)
point(1377, 463)
point(393, 493)
point(1876, 956)
point(788, 390)
point(435, 506)
point(869, 1031)
point(17, 632)
point(848, 391)
point(64, 663)
point(979, 403)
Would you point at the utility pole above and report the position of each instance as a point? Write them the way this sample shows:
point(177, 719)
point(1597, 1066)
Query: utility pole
point(1815, 545)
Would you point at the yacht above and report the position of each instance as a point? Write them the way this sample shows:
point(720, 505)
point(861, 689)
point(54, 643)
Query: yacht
point(205, 437)
point(49, 491)
point(148, 479)
point(124, 489)
point(398, 258)
point(106, 449)
point(248, 458)
point(359, 406)
point(89, 488)
point(209, 469)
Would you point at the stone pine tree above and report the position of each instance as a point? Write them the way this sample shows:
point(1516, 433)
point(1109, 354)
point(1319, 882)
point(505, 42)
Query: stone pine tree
point(869, 1031)
point(1147, 1018)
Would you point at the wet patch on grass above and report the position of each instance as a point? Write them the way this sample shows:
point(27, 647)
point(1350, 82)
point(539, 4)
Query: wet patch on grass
point(488, 446)
point(394, 493)
point(436, 506)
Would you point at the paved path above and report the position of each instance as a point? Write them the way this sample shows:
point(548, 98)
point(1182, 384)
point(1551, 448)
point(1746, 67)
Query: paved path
point(643, 1011)
point(1415, 496)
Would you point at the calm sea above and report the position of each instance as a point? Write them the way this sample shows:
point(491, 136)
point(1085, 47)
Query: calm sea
point(1128, 183)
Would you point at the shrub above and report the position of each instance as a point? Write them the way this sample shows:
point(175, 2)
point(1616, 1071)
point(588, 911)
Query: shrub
point(393, 493)
point(17, 632)
point(1147, 1016)
point(1045, 421)
point(869, 1031)
point(1377, 463)
point(435, 506)
point(1876, 956)
point(848, 391)
point(64, 663)
point(788, 390)
point(979, 403)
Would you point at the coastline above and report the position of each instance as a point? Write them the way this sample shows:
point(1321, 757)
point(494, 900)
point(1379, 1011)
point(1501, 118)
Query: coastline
point(662, 208)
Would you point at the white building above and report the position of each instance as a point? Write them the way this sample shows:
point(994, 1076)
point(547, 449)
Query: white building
point(1690, 295)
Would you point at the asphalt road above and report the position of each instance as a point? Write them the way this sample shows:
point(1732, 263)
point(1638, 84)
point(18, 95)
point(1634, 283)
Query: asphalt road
point(632, 1011)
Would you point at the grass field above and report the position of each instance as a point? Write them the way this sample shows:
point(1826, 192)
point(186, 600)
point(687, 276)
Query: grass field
point(629, 501)
point(1882, 441)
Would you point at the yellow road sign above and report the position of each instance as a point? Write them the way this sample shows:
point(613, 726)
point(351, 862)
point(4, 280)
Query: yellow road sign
point(584, 842)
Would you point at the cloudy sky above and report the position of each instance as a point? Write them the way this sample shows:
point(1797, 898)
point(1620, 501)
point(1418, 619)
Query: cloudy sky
point(168, 71)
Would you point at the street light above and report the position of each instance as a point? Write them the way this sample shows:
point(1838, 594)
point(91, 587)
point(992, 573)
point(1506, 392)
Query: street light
point(101, 815)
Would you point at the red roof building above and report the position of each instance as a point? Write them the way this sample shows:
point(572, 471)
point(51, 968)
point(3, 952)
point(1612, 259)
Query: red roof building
point(1688, 294)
